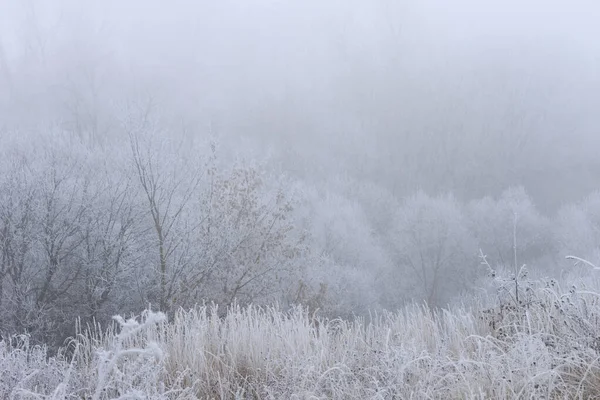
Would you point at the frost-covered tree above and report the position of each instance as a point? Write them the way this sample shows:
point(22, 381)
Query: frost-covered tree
point(576, 229)
point(66, 240)
point(109, 251)
point(350, 258)
point(45, 199)
point(498, 223)
point(251, 249)
point(434, 251)
point(167, 188)
point(18, 234)
point(213, 233)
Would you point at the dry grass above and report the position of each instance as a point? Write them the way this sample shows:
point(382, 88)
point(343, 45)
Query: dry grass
point(546, 348)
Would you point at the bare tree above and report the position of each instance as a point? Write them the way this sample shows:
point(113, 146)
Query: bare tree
point(491, 221)
point(253, 248)
point(109, 249)
point(43, 212)
point(219, 235)
point(17, 243)
point(168, 191)
point(433, 247)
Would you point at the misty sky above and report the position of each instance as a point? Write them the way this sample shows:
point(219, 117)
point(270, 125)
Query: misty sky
point(380, 84)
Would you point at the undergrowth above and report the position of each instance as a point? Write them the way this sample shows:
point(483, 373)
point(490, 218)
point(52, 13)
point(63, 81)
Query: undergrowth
point(537, 340)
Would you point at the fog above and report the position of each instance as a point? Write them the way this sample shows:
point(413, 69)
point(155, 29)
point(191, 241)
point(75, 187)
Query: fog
point(374, 116)
point(330, 85)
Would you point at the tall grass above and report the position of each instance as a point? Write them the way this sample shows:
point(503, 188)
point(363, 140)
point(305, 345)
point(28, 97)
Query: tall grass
point(545, 347)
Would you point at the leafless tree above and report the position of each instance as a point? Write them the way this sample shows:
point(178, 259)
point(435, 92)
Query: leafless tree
point(434, 249)
point(168, 191)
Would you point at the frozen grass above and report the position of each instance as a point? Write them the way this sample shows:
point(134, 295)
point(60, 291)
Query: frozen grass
point(545, 347)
